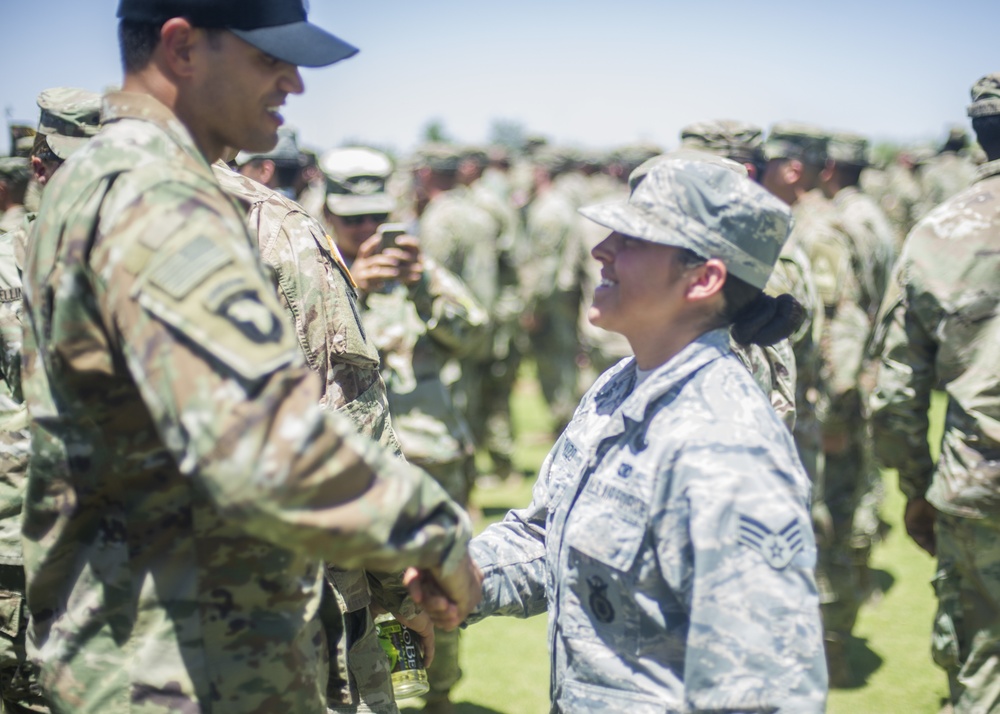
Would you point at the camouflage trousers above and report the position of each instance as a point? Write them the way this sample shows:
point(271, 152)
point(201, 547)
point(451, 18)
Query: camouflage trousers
point(19, 690)
point(556, 346)
point(496, 431)
point(966, 635)
point(359, 677)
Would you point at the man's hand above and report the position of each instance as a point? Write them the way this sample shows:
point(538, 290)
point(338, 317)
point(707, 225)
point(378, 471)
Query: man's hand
point(422, 625)
point(447, 599)
point(374, 267)
point(919, 518)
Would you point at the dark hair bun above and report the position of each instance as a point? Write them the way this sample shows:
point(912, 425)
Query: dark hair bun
point(766, 320)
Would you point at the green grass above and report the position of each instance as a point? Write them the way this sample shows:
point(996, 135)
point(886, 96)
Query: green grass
point(506, 664)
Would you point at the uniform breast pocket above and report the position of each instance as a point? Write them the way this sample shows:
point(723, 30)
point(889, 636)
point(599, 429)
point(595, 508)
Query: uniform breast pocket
point(600, 583)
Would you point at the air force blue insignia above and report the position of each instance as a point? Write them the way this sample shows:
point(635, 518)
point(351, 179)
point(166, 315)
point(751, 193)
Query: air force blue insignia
point(778, 548)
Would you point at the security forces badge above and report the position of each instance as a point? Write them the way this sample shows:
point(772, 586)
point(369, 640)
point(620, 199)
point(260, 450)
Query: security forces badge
point(777, 549)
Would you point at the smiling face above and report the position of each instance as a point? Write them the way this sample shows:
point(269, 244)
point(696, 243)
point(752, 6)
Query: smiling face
point(235, 93)
point(641, 288)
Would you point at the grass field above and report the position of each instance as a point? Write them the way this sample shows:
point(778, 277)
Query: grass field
point(506, 664)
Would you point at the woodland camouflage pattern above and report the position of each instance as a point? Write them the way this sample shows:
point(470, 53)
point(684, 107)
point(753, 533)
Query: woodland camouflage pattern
point(158, 353)
point(676, 570)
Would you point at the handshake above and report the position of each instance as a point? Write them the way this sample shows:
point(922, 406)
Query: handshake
point(447, 598)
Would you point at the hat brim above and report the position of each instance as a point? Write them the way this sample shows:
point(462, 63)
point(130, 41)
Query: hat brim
point(343, 205)
point(622, 217)
point(65, 146)
point(298, 43)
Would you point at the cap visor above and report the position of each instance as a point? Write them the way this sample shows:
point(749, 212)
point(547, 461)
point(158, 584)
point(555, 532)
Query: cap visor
point(298, 43)
point(622, 218)
point(64, 146)
point(341, 205)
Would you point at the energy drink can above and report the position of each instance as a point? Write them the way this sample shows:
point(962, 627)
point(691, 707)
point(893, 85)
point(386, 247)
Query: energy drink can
point(402, 647)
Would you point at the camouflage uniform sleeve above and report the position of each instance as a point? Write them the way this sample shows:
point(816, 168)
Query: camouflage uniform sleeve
point(734, 541)
point(902, 392)
point(511, 555)
point(455, 319)
point(218, 366)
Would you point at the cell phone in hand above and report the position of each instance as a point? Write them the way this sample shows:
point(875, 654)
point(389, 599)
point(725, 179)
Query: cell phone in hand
point(389, 232)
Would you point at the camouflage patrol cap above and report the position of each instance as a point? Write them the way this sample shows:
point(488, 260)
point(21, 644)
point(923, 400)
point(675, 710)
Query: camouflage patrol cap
point(15, 169)
point(633, 155)
point(708, 208)
point(285, 152)
point(985, 96)
point(636, 177)
point(556, 159)
point(69, 117)
point(794, 140)
point(736, 140)
point(847, 148)
point(356, 179)
point(476, 154)
point(437, 156)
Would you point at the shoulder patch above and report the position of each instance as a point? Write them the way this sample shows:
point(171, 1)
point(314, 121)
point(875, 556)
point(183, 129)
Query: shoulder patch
point(779, 548)
point(180, 273)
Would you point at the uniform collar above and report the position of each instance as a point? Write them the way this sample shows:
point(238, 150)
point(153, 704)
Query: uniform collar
point(707, 348)
point(116, 106)
point(990, 168)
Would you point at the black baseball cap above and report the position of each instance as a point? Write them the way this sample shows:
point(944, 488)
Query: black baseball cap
point(277, 27)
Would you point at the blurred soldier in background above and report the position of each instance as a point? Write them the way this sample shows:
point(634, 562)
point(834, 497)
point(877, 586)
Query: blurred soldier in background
point(554, 277)
point(279, 169)
point(68, 118)
point(940, 329)
point(947, 172)
point(493, 429)
point(420, 316)
point(796, 154)
point(873, 242)
point(15, 173)
point(463, 238)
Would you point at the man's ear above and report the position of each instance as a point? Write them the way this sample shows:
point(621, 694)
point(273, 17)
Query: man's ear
point(177, 40)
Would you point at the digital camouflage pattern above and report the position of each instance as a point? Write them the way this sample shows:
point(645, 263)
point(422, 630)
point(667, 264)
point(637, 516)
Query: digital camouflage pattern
point(316, 290)
point(418, 329)
point(158, 353)
point(676, 570)
point(939, 329)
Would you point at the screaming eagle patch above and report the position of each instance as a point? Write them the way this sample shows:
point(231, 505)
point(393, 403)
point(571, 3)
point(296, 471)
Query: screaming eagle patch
point(778, 548)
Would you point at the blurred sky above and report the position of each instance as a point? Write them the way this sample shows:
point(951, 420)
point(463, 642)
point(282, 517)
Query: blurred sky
point(594, 73)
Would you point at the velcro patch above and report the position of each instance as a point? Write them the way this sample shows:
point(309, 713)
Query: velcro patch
point(183, 271)
point(779, 548)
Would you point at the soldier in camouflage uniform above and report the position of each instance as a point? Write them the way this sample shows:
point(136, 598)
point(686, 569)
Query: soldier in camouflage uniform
point(796, 155)
point(316, 290)
point(184, 486)
point(420, 316)
point(494, 430)
point(554, 278)
point(464, 238)
point(676, 569)
point(68, 118)
point(945, 173)
point(15, 172)
point(940, 329)
point(873, 248)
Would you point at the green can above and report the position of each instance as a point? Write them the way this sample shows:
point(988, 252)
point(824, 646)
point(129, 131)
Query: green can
point(402, 647)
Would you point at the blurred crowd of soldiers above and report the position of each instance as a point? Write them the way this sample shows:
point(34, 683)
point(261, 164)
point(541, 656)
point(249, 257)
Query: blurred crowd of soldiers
point(491, 268)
